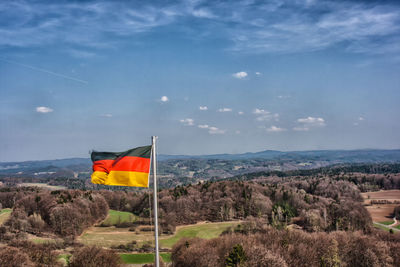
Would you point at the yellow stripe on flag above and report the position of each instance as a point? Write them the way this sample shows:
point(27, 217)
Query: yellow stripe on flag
point(121, 178)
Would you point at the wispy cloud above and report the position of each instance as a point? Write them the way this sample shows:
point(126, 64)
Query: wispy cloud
point(44, 110)
point(264, 115)
point(79, 23)
point(240, 75)
point(211, 129)
point(275, 129)
point(215, 130)
point(106, 115)
point(296, 27)
point(81, 53)
point(44, 70)
point(277, 26)
point(225, 110)
point(187, 122)
point(301, 129)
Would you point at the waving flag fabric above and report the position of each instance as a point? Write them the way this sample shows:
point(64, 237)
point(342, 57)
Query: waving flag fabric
point(128, 168)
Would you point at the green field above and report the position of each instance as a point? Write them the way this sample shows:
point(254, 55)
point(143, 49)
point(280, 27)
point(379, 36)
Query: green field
point(206, 231)
point(114, 217)
point(387, 222)
point(111, 236)
point(4, 215)
point(397, 226)
point(141, 258)
point(381, 227)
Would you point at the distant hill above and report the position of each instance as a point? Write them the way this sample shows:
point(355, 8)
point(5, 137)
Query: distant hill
point(361, 155)
point(197, 167)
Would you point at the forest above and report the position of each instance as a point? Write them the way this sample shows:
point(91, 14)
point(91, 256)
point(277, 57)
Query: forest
point(302, 218)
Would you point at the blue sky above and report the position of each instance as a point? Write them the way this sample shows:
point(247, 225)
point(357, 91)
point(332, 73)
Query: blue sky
point(205, 76)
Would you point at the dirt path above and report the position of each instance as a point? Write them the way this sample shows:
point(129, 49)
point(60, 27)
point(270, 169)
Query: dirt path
point(388, 226)
point(395, 222)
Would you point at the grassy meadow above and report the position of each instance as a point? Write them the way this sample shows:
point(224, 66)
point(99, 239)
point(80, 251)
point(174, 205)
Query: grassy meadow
point(204, 230)
point(141, 258)
point(115, 217)
point(4, 215)
point(112, 236)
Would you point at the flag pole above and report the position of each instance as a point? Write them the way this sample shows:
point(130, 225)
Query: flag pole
point(153, 140)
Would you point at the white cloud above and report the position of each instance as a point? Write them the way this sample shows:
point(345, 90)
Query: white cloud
point(203, 108)
point(187, 122)
point(240, 112)
point(240, 75)
point(275, 129)
point(107, 115)
point(215, 130)
point(265, 115)
point(224, 110)
point(361, 118)
point(258, 73)
point(237, 132)
point(308, 123)
point(283, 96)
point(260, 111)
point(312, 121)
point(211, 129)
point(164, 99)
point(44, 110)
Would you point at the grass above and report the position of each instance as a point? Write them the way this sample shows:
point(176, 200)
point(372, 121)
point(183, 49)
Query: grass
point(205, 231)
point(4, 215)
point(64, 258)
point(43, 240)
point(115, 217)
point(387, 222)
point(397, 227)
point(381, 227)
point(111, 236)
point(141, 258)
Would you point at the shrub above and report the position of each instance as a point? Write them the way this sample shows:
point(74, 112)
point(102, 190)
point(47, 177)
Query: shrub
point(94, 257)
point(236, 257)
point(13, 257)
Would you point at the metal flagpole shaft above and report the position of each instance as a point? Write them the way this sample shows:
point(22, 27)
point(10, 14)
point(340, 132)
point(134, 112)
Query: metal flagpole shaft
point(153, 139)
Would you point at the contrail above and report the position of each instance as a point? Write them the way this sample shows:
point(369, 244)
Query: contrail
point(45, 71)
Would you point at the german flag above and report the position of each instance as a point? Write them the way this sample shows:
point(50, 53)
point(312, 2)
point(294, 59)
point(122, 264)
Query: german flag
point(128, 168)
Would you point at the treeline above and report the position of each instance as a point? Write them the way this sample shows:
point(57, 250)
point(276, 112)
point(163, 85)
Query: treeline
point(327, 171)
point(70, 183)
point(17, 253)
point(267, 246)
point(315, 205)
point(65, 213)
point(364, 181)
